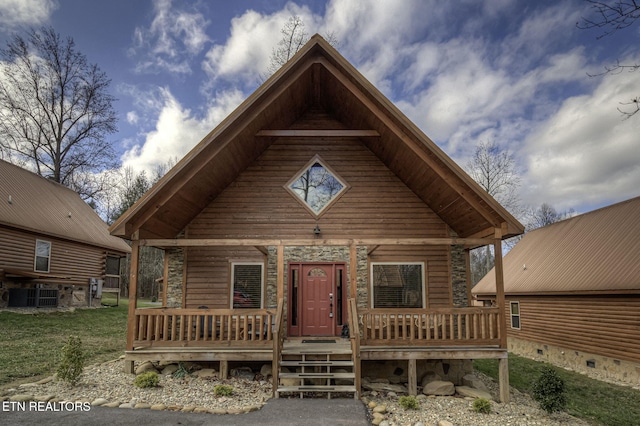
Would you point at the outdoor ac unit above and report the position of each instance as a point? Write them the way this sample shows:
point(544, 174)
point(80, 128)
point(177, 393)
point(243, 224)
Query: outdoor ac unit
point(95, 285)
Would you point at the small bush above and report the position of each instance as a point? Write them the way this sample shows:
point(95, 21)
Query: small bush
point(71, 361)
point(548, 390)
point(222, 390)
point(482, 405)
point(147, 380)
point(180, 372)
point(408, 402)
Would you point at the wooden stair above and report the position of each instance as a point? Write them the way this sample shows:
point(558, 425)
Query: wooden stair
point(311, 367)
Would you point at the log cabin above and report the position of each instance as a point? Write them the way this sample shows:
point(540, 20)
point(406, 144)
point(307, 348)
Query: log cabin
point(316, 210)
point(55, 251)
point(572, 292)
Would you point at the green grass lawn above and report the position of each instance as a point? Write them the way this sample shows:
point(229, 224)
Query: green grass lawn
point(30, 344)
point(589, 399)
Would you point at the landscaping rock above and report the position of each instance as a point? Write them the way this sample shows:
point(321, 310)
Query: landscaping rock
point(206, 373)
point(473, 393)
point(439, 388)
point(266, 370)
point(169, 369)
point(21, 398)
point(429, 377)
point(242, 373)
point(145, 366)
point(472, 381)
point(99, 401)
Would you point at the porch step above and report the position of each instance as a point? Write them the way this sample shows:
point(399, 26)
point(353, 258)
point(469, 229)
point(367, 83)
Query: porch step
point(323, 375)
point(314, 366)
point(311, 388)
point(294, 363)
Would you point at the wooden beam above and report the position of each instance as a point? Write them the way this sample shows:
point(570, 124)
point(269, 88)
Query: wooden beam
point(372, 249)
point(500, 299)
point(263, 250)
point(207, 242)
point(133, 300)
point(318, 133)
point(412, 375)
point(503, 379)
point(467, 267)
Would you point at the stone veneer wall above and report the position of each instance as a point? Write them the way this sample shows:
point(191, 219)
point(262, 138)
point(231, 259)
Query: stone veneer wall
point(175, 277)
point(459, 277)
point(604, 368)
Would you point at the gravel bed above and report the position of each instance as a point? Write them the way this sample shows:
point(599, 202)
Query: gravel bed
point(107, 384)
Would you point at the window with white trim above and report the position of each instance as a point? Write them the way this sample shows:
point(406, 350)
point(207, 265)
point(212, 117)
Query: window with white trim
point(247, 280)
point(514, 308)
point(42, 256)
point(397, 285)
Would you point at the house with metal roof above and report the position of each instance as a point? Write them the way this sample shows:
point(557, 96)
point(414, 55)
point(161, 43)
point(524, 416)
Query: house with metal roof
point(572, 292)
point(317, 210)
point(55, 250)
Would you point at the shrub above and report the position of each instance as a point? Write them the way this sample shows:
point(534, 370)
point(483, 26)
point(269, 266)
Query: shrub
point(548, 390)
point(408, 402)
point(71, 361)
point(482, 405)
point(222, 390)
point(147, 380)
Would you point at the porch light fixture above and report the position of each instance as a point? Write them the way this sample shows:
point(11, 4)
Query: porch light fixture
point(316, 230)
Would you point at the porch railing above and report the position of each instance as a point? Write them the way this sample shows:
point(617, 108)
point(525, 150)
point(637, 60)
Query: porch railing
point(278, 343)
point(430, 327)
point(203, 327)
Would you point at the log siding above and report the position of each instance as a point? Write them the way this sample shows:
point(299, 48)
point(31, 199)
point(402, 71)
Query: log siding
point(603, 325)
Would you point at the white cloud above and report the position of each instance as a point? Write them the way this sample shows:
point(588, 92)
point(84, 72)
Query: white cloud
point(16, 13)
point(173, 38)
point(244, 58)
point(177, 130)
point(586, 152)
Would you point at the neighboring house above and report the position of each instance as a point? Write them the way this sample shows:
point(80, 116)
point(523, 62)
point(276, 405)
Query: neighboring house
point(316, 207)
point(573, 292)
point(52, 245)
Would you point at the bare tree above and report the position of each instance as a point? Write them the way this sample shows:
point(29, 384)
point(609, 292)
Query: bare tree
point(495, 171)
point(55, 111)
point(294, 36)
point(545, 215)
point(611, 16)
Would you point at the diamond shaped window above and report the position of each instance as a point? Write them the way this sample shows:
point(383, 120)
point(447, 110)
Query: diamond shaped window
point(316, 186)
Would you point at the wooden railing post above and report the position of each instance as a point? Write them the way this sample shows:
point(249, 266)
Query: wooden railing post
point(354, 330)
point(278, 341)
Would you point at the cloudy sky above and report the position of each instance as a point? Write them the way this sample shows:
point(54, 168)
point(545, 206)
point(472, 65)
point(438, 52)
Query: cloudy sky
point(511, 71)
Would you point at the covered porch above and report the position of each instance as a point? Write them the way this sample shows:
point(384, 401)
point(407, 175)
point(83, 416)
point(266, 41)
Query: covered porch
point(224, 335)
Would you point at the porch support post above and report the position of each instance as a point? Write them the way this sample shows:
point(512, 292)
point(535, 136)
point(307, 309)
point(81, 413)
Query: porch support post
point(503, 365)
point(467, 267)
point(133, 301)
point(353, 271)
point(412, 374)
point(224, 369)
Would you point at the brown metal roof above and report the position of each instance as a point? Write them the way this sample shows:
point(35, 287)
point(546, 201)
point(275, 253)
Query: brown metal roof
point(594, 252)
point(33, 203)
point(318, 78)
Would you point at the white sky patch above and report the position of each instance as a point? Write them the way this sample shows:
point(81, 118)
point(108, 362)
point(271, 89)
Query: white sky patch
point(586, 151)
point(17, 13)
point(132, 117)
point(177, 131)
point(244, 58)
point(173, 37)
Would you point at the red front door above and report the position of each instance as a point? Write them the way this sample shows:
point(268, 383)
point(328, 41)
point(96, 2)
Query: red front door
point(318, 295)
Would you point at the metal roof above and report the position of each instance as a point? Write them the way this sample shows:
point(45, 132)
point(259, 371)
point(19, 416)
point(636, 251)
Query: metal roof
point(595, 252)
point(32, 203)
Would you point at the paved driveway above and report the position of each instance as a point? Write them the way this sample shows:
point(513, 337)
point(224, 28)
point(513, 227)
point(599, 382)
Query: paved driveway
point(307, 412)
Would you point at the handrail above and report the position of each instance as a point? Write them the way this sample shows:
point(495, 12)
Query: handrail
point(202, 327)
point(440, 326)
point(278, 342)
point(354, 337)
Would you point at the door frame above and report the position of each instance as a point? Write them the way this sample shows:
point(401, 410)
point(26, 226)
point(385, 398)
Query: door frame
point(295, 295)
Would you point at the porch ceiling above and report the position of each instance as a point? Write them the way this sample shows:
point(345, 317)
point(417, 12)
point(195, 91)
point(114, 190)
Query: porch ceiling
point(317, 78)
